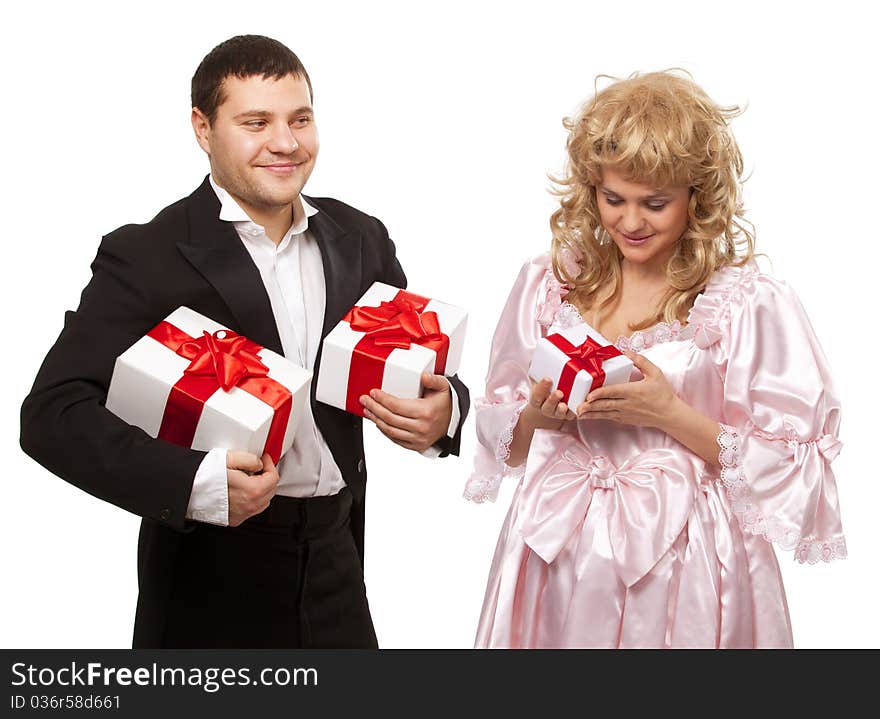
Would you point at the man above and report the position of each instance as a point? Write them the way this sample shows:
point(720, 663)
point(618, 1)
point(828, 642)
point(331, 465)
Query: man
point(233, 551)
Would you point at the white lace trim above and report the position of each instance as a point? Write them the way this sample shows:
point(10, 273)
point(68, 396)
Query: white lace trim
point(812, 550)
point(658, 334)
point(752, 520)
point(502, 451)
point(480, 488)
point(568, 316)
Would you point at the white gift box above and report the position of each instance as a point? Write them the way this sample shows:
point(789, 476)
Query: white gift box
point(342, 360)
point(145, 373)
point(548, 360)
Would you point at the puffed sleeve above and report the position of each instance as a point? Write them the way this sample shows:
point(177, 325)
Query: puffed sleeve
point(530, 307)
point(781, 417)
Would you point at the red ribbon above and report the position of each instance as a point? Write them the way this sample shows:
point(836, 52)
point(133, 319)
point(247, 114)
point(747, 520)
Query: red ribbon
point(397, 324)
point(588, 356)
point(221, 360)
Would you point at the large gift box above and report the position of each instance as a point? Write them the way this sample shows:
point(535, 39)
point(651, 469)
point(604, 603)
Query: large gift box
point(386, 342)
point(578, 359)
point(195, 383)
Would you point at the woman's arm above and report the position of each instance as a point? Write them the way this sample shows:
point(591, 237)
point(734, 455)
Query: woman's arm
point(545, 410)
point(694, 430)
point(651, 402)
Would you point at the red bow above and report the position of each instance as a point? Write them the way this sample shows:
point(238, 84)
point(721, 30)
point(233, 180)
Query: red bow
point(224, 359)
point(395, 324)
point(223, 355)
point(589, 356)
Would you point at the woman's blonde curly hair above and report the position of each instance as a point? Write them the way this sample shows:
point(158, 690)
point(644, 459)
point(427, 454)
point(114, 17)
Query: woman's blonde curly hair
point(661, 129)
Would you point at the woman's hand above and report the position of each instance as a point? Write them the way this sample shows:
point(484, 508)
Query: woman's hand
point(649, 402)
point(545, 409)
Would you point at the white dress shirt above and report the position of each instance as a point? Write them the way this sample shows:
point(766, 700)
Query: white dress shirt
point(293, 275)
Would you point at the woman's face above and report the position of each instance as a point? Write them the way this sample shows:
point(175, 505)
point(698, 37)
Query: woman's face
point(645, 222)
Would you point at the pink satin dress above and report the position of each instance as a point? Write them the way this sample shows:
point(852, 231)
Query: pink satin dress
point(619, 536)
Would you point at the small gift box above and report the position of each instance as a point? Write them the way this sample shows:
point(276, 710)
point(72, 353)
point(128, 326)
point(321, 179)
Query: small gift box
point(386, 342)
point(195, 383)
point(578, 359)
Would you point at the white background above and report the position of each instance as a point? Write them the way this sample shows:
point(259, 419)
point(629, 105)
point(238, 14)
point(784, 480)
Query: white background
point(443, 122)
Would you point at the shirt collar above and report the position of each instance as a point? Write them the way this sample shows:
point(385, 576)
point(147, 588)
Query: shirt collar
point(231, 211)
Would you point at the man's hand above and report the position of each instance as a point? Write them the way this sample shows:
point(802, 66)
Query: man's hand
point(412, 423)
point(251, 484)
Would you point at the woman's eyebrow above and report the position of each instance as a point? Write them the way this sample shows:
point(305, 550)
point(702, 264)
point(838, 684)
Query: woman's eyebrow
point(657, 194)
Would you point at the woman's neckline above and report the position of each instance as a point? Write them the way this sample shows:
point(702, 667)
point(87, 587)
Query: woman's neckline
point(639, 339)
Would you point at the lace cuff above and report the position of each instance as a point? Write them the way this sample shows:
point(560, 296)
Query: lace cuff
point(502, 451)
point(482, 487)
point(752, 520)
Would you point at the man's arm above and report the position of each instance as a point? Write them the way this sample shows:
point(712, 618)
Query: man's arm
point(232, 486)
point(64, 424)
point(460, 394)
point(420, 423)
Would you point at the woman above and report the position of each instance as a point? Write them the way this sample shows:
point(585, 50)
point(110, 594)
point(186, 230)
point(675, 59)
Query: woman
point(645, 515)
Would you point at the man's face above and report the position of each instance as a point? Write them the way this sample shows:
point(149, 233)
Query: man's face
point(263, 141)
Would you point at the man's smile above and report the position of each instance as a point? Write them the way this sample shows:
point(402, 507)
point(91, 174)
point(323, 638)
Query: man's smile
point(281, 168)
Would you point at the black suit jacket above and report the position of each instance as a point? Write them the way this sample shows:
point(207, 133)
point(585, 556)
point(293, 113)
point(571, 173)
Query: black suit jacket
point(186, 256)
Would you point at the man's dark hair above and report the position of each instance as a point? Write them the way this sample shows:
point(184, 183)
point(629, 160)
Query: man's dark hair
point(242, 56)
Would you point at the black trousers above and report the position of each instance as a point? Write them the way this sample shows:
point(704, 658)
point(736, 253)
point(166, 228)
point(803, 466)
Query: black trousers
point(289, 577)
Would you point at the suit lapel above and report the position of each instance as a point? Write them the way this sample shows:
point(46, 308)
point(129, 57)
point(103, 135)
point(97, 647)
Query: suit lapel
point(342, 260)
point(214, 248)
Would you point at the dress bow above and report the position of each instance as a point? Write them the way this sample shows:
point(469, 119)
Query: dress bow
point(647, 500)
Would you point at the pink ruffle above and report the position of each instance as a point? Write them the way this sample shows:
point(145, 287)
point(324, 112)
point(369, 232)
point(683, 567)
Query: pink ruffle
point(552, 291)
point(571, 262)
point(551, 299)
point(710, 314)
